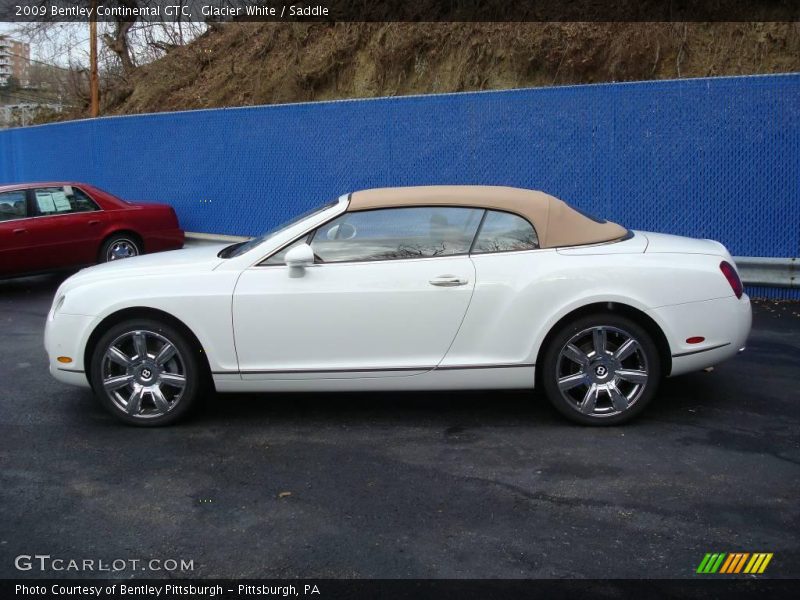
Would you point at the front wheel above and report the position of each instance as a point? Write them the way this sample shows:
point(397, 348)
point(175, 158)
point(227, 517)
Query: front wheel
point(601, 370)
point(146, 372)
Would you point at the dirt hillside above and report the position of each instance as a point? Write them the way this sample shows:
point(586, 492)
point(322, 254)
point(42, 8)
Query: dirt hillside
point(263, 63)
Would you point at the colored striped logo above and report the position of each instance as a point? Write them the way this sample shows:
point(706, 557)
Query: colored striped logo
point(734, 562)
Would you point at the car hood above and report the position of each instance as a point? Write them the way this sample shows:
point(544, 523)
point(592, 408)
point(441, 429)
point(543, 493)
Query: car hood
point(202, 258)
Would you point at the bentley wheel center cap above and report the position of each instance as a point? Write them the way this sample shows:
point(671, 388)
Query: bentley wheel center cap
point(146, 374)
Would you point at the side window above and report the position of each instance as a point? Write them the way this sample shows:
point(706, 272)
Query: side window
point(504, 232)
point(13, 206)
point(79, 200)
point(397, 233)
point(58, 200)
point(279, 258)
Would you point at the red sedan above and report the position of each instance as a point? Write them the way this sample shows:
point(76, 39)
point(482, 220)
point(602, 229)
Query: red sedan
point(54, 225)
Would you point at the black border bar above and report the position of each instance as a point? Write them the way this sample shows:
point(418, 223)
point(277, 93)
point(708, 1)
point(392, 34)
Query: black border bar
point(408, 589)
point(401, 10)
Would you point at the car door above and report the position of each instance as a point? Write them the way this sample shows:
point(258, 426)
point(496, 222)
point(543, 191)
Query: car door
point(18, 235)
point(508, 308)
point(71, 224)
point(385, 297)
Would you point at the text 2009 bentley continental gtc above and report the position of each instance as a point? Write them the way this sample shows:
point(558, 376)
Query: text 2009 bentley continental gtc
point(421, 288)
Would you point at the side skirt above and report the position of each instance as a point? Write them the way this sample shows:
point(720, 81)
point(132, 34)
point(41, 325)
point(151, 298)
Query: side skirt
point(444, 378)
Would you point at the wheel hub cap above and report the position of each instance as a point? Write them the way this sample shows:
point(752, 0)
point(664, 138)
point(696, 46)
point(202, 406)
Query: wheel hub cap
point(143, 374)
point(146, 372)
point(122, 249)
point(602, 371)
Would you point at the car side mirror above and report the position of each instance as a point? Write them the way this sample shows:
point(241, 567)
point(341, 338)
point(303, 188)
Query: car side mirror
point(300, 257)
point(341, 231)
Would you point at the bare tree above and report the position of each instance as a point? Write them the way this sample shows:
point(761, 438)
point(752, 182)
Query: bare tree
point(117, 39)
point(127, 42)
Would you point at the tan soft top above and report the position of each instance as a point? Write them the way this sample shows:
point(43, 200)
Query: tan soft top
point(556, 223)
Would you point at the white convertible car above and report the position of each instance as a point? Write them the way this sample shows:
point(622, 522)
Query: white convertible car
point(419, 288)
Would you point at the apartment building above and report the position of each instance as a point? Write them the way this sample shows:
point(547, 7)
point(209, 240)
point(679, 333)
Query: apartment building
point(14, 60)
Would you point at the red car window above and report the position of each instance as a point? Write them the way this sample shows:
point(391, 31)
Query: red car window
point(13, 205)
point(59, 200)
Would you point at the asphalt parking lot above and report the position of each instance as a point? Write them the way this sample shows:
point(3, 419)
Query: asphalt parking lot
point(455, 485)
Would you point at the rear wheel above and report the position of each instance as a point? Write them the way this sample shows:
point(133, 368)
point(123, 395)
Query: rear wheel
point(601, 369)
point(119, 246)
point(146, 372)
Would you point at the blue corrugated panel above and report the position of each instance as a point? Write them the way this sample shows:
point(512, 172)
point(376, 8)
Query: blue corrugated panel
point(716, 158)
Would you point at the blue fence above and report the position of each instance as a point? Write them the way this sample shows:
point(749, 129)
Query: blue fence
point(717, 158)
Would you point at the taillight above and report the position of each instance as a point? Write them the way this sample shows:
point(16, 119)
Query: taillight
point(733, 277)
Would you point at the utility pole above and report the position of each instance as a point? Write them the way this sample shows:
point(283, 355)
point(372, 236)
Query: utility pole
point(94, 84)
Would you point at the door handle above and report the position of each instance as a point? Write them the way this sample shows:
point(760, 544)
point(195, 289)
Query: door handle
point(94, 222)
point(20, 231)
point(448, 281)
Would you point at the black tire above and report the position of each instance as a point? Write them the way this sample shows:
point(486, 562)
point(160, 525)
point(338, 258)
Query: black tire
point(119, 246)
point(147, 373)
point(579, 371)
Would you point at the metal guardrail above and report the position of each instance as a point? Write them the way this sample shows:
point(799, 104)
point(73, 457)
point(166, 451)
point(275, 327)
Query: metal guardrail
point(754, 270)
point(768, 272)
point(213, 238)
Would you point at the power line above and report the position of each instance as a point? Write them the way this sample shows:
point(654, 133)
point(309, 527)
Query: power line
point(40, 62)
point(31, 99)
point(34, 94)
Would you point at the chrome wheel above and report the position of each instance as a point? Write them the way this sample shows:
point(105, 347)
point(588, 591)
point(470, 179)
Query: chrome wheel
point(602, 371)
point(143, 374)
point(121, 248)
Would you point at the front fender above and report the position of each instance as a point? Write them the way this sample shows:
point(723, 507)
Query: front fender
point(201, 301)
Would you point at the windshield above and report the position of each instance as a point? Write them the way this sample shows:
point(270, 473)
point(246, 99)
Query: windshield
point(241, 247)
